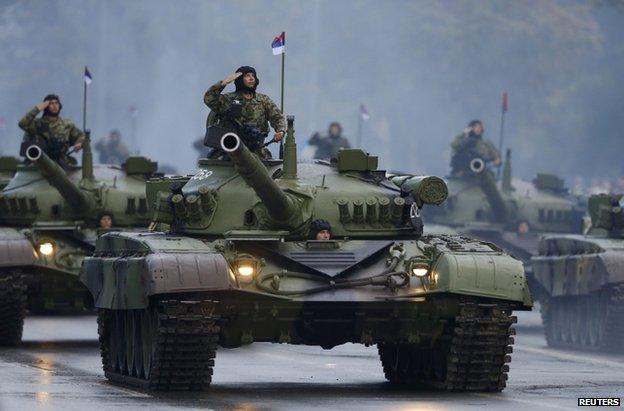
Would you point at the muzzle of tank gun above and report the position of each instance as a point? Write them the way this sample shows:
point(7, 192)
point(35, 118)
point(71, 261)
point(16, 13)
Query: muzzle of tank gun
point(33, 153)
point(230, 142)
point(477, 165)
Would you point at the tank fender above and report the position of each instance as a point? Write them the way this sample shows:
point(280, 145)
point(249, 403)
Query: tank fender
point(493, 275)
point(578, 274)
point(15, 249)
point(128, 282)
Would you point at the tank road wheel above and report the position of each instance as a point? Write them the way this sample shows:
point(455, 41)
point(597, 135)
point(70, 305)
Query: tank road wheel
point(585, 322)
point(568, 318)
point(613, 336)
point(577, 312)
point(597, 316)
point(472, 356)
point(169, 346)
point(547, 312)
point(12, 307)
point(557, 320)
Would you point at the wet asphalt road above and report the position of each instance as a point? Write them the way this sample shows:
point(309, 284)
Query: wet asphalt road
point(58, 368)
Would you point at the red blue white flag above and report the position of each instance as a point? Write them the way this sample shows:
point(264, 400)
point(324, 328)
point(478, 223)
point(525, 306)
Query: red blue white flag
point(87, 76)
point(279, 44)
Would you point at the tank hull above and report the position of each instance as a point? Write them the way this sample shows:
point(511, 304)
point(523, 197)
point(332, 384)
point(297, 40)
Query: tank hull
point(191, 287)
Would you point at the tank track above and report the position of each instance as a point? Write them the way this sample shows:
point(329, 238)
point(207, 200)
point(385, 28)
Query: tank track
point(183, 346)
point(569, 321)
point(12, 307)
point(470, 356)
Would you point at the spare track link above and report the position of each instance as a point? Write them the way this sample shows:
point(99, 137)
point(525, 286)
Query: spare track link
point(475, 351)
point(183, 348)
point(12, 307)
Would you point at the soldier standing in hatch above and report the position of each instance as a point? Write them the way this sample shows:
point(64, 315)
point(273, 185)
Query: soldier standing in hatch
point(470, 144)
point(52, 132)
point(328, 146)
point(258, 110)
point(111, 149)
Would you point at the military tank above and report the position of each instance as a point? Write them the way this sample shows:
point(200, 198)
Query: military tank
point(511, 213)
point(237, 265)
point(583, 276)
point(49, 220)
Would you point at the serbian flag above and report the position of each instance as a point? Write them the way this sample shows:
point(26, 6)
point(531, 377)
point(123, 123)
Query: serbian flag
point(364, 112)
point(87, 76)
point(279, 44)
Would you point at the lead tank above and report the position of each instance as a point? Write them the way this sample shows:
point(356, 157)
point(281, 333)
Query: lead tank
point(583, 276)
point(49, 224)
point(511, 213)
point(237, 265)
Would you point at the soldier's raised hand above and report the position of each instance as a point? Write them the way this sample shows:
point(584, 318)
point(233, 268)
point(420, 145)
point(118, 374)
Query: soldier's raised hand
point(43, 105)
point(278, 136)
point(231, 78)
point(467, 130)
point(77, 146)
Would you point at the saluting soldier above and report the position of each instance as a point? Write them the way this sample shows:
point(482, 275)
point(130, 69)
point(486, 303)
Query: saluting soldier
point(256, 110)
point(470, 144)
point(111, 149)
point(53, 133)
point(329, 145)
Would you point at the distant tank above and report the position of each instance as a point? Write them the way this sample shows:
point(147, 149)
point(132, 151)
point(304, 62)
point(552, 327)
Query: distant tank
point(583, 276)
point(238, 265)
point(49, 224)
point(511, 213)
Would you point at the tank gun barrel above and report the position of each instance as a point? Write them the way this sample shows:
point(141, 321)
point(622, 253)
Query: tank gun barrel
point(280, 207)
point(57, 178)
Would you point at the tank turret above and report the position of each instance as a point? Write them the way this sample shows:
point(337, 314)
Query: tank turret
point(352, 194)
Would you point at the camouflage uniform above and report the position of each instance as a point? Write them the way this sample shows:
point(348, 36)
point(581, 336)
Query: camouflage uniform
point(467, 147)
point(328, 146)
point(259, 110)
point(47, 128)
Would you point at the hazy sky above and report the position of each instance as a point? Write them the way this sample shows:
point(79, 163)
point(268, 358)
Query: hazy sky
point(422, 68)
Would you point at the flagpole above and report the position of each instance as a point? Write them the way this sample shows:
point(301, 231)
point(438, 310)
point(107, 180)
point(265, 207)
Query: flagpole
point(502, 131)
point(84, 103)
point(281, 148)
point(359, 132)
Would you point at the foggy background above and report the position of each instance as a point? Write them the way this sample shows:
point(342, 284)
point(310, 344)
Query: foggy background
point(423, 69)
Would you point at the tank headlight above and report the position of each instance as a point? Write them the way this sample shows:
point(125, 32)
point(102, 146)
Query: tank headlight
point(246, 270)
point(418, 267)
point(420, 271)
point(46, 248)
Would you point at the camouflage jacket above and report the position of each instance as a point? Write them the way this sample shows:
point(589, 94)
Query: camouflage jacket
point(260, 110)
point(328, 147)
point(47, 127)
point(475, 147)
